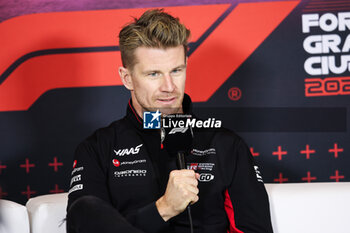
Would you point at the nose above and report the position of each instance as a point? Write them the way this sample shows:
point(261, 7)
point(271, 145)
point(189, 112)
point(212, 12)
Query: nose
point(167, 84)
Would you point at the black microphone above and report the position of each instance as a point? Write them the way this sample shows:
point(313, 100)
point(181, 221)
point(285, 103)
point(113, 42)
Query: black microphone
point(180, 160)
point(178, 141)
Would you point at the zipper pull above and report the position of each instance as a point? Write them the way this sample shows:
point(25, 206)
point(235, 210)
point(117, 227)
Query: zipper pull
point(162, 137)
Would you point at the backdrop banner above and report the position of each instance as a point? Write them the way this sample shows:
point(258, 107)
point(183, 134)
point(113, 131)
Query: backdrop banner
point(276, 72)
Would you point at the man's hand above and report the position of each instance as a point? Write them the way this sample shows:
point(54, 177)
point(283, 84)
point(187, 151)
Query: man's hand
point(181, 190)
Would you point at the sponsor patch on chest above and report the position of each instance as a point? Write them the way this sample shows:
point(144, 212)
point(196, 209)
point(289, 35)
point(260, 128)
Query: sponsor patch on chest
point(200, 166)
point(128, 151)
point(117, 163)
point(130, 173)
point(209, 151)
point(206, 177)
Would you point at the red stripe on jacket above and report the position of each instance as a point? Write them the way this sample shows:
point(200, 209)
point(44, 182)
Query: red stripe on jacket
point(230, 214)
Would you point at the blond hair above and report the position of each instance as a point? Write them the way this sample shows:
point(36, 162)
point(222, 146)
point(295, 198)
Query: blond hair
point(154, 29)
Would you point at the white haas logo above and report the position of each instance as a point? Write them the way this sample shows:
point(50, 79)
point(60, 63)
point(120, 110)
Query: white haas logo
point(132, 150)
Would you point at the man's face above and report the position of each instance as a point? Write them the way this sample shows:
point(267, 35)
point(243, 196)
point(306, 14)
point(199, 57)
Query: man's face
point(157, 80)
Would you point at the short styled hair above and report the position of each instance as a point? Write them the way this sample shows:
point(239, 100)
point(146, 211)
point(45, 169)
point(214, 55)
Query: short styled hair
point(154, 29)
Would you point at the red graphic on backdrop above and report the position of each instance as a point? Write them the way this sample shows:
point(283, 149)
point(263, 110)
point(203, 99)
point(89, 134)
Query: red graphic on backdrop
point(2, 167)
point(210, 61)
point(336, 150)
point(74, 163)
point(55, 164)
point(315, 6)
point(279, 152)
point(308, 178)
point(336, 177)
point(307, 151)
point(327, 86)
point(2, 193)
point(280, 178)
point(28, 192)
point(56, 190)
point(116, 162)
point(254, 153)
point(234, 93)
point(27, 165)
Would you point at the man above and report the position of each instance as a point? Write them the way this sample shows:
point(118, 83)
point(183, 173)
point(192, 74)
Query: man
point(132, 180)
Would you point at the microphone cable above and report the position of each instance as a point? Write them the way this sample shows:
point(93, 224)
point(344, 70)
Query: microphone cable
point(190, 217)
point(177, 141)
point(180, 162)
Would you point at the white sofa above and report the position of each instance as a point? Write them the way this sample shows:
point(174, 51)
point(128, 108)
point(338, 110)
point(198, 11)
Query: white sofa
point(47, 213)
point(310, 207)
point(295, 208)
point(13, 217)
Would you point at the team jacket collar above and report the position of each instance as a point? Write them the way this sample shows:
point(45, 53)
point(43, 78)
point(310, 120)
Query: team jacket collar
point(137, 120)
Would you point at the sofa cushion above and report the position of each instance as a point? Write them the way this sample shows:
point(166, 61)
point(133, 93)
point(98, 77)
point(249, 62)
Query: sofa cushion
point(47, 213)
point(310, 207)
point(13, 217)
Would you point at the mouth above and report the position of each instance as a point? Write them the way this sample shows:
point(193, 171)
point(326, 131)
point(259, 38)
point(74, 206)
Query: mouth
point(166, 100)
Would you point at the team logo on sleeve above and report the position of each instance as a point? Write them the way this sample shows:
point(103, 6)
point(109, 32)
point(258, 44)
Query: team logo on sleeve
point(258, 174)
point(75, 179)
point(76, 188)
point(78, 169)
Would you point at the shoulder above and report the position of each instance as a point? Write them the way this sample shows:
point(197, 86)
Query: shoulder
point(220, 136)
point(227, 134)
point(99, 145)
point(103, 139)
point(108, 133)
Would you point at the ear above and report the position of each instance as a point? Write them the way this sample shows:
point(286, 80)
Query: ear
point(125, 76)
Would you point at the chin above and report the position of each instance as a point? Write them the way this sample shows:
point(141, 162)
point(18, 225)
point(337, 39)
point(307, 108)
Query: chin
point(170, 110)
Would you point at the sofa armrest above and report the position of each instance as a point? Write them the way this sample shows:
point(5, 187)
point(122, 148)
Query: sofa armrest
point(47, 213)
point(310, 207)
point(13, 217)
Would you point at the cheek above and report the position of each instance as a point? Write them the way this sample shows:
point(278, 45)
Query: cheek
point(180, 83)
point(145, 89)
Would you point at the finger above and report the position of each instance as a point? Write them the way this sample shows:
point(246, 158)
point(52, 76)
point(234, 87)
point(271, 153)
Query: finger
point(187, 172)
point(197, 176)
point(193, 189)
point(194, 199)
point(188, 180)
point(189, 190)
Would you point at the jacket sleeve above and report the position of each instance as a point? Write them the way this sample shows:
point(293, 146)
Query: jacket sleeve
point(89, 177)
point(246, 200)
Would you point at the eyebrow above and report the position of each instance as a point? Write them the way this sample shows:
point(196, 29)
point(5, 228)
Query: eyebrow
point(180, 66)
point(158, 71)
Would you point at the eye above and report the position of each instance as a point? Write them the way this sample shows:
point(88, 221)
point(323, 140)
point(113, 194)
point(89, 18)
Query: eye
point(178, 70)
point(153, 74)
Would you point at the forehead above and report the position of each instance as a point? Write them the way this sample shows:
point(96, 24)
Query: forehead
point(159, 58)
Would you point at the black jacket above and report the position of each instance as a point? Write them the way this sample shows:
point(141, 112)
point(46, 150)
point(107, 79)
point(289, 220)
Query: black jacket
point(126, 166)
